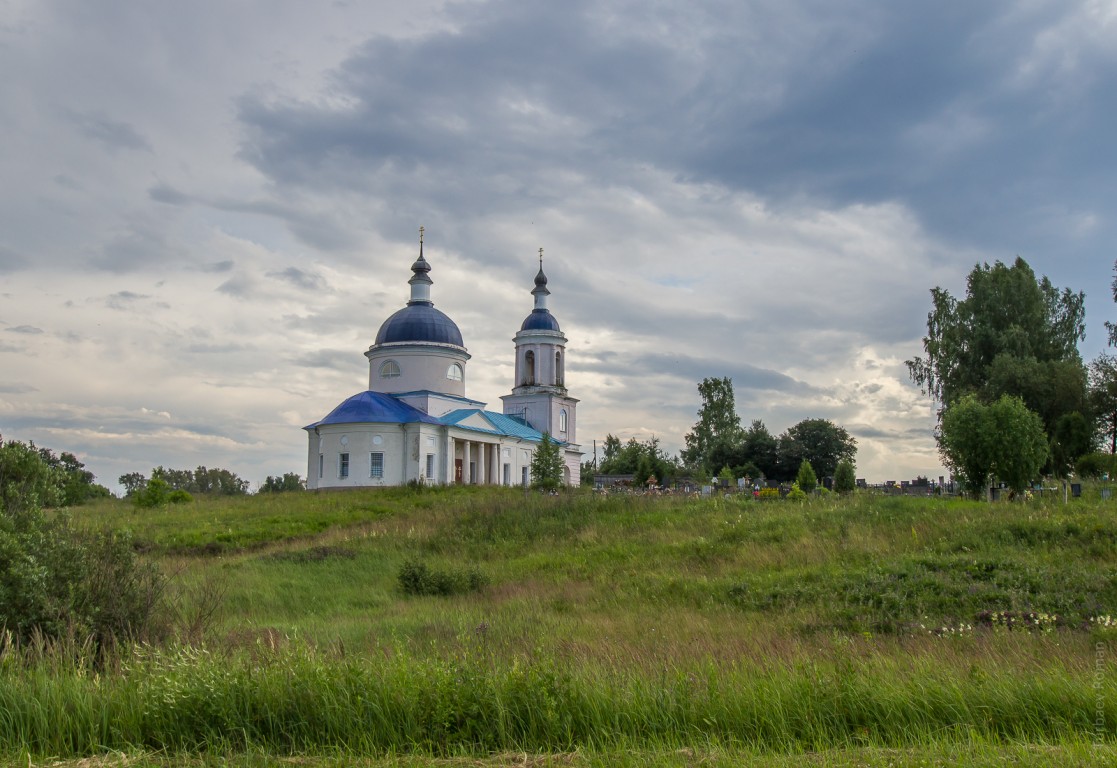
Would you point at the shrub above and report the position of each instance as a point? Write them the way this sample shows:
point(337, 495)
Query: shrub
point(156, 493)
point(179, 497)
point(417, 579)
point(806, 480)
point(769, 494)
point(796, 493)
point(845, 479)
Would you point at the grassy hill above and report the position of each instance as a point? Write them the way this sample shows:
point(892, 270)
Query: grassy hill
point(581, 629)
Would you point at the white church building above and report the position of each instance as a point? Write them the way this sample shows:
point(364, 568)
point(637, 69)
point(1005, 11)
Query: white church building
point(415, 422)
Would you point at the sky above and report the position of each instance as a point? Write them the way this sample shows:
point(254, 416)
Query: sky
point(207, 209)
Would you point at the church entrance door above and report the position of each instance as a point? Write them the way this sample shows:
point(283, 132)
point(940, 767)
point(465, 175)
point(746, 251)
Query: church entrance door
point(457, 470)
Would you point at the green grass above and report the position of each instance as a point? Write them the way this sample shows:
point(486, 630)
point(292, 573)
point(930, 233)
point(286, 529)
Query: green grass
point(668, 631)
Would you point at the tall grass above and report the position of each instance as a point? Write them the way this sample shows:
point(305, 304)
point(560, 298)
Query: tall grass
point(296, 699)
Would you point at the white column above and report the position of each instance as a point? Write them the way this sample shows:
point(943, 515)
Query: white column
point(466, 475)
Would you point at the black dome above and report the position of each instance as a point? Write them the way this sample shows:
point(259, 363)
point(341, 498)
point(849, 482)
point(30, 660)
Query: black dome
point(419, 322)
point(540, 320)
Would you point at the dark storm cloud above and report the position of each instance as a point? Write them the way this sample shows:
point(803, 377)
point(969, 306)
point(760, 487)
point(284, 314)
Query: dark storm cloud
point(844, 103)
point(113, 134)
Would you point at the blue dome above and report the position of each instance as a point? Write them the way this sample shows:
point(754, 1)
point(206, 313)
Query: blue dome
point(419, 322)
point(540, 320)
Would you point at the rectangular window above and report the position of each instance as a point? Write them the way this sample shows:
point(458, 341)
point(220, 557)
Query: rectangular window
point(376, 465)
point(321, 463)
point(343, 465)
point(430, 466)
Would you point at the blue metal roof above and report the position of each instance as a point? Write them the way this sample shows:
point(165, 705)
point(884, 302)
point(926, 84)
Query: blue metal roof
point(540, 320)
point(419, 322)
point(502, 425)
point(365, 407)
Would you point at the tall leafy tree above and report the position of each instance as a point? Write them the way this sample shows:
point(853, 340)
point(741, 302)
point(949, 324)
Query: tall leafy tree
point(1011, 335)
point(1111, 327)
point(546, 465)
point(718, 423)
point(1103, 398)
point(1003, 440)
point(760, 448)
point(818, 441)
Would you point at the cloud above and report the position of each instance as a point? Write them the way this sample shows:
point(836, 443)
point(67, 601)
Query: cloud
point(10, 261)
point(300, 278)
point(113, 134)
point(161, 193)
point(25, 329)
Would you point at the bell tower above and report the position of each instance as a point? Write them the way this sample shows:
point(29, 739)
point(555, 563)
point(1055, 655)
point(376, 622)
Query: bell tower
point(539, 395)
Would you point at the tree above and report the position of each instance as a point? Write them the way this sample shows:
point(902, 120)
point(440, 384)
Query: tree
point(132, 482)
point(547, 465)
point(77, 482)
point(845, 477)
point(761, 448)
point(291, 481)
point(1003, 440)
point(718, 423)
point(1103, 398)
point(26, 481)
point(1111, 327)
point(1011, 335)
point(806, 478)
point(818, 441)
point(638, 459)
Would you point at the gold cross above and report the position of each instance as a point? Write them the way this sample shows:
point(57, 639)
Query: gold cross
point(420, 235)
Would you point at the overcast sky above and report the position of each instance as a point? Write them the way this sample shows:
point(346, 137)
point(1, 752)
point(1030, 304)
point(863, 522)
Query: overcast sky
point(208, 208)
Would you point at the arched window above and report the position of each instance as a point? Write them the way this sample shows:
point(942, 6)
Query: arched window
point(562, 421)
point(558, 369)
point(454, 372)
point(389, 370)
point(529, 368)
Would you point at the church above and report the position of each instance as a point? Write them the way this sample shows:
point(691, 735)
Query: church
point(415, 422)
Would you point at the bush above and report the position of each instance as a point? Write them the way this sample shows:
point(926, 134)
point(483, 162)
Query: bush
point(769, 494)
point(57, 581)
point(845, 479)
point(796, 493)
point(416, 578)
point(156, 493)
point(806, 480)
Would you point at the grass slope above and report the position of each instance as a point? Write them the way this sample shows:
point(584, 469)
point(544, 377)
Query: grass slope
point(872, 628)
